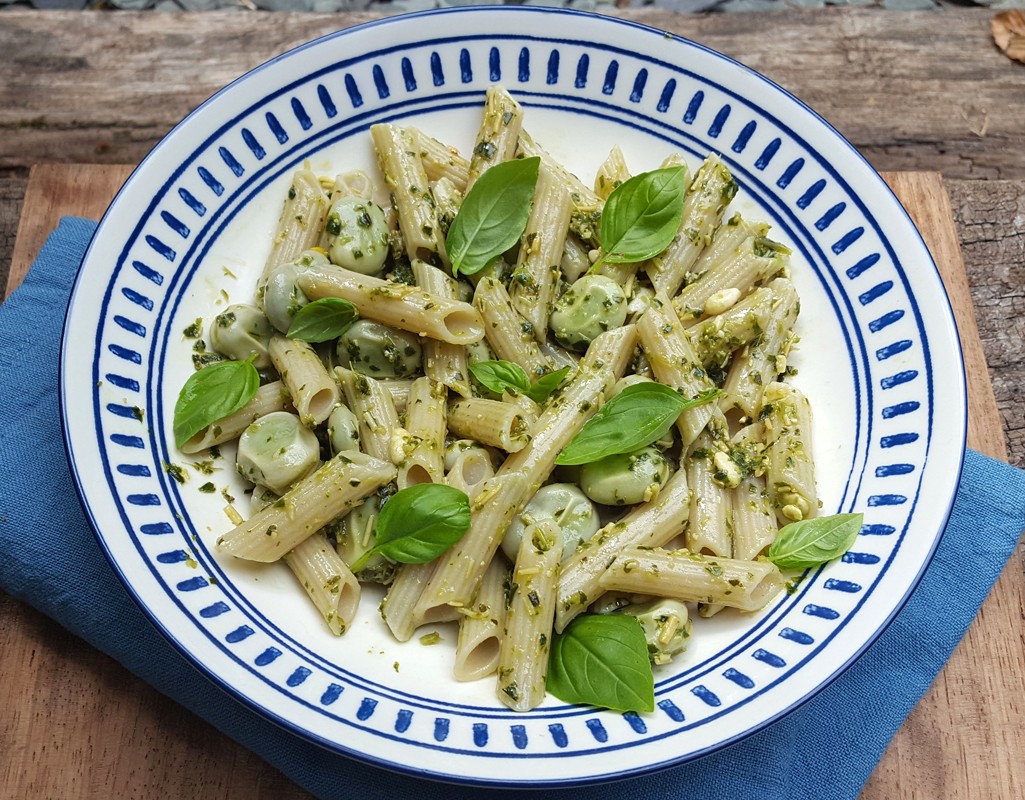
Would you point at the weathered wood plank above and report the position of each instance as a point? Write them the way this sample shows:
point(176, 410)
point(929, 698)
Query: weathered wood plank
point(12, 192)
point(911, 90)
point(54, 189)
point(991, 222)
point(78, 726)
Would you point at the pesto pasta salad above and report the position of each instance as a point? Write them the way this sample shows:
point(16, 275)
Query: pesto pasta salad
point(558, 416)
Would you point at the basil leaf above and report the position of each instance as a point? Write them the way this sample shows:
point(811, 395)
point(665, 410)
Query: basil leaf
point(492, 216)
point(323, 320)
point(497, 376)
point(811, 542)
point(642, 216)
point(636, 417)
point(546, 384)
point(500, 376)
point(212, 394)
point(602, 660)
point(419, 523)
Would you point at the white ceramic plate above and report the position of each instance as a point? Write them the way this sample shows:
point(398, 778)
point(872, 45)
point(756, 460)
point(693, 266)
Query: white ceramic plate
point(879, 359)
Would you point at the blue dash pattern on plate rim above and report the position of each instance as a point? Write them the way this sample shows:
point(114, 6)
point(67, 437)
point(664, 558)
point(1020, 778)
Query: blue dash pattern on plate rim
point(799, 188)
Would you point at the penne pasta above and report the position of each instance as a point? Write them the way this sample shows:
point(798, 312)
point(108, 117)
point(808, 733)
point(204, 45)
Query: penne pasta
point(536, 274)
point(408, 308)
point(301, 224)
point(711, 521)
point(764, 358)
point(508, 334)
point(410, 191)
point(726, 282)
point(444, 362)
point(499, 130)
point(491, 422)
point(789, 470)
point(481, 625)
point(314, 392)
point(468, 467)
point(440, 162)
point(307, 507)
point(426, 426)
point(333, 589)
point(612, 172)
point(378, 421)
point(675, 363)
point(710, 192)
point(747, 585)
point(398, 609)
point(523, 656)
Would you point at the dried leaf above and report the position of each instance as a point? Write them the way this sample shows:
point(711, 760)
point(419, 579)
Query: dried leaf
point(1009, 33)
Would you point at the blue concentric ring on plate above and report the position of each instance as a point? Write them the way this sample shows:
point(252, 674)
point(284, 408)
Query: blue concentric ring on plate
point(880, 324)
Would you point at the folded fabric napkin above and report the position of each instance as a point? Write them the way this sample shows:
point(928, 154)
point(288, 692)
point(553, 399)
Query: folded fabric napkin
point(825, 749)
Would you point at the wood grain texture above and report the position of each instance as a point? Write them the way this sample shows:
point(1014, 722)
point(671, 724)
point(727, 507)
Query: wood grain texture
point(911, 90)
point(78, 726)
point(990, 218)
point(53, 189)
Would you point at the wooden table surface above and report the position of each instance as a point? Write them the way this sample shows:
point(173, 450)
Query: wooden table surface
point(914, 92)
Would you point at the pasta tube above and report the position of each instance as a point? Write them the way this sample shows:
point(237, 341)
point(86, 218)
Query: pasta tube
point(444, 362)
point(468, 467)
point(523, 656)
point(408, 308)
point(374, 410)
point(496, 137)
point(405, 175)
point(687, 576)
point(510, 336)
point(612, 172)
point(761, 361)
point(333, 589)
point(314, 392)
point(307, 507)
point(727, 239)
point(480, 627)
point(425, 423)
point(301, 223)
point(674, 362)
point(727, 280)
point(492, 422)
point(710, 192)
point(536, 274)
point(439, 160)
point(399, 604)
point(790, 472)
point(711, 524)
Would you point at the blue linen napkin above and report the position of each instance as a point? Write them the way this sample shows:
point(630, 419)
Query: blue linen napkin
point(826, 749)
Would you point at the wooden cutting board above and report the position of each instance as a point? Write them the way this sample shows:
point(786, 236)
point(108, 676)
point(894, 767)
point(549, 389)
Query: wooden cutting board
point(78, 726)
